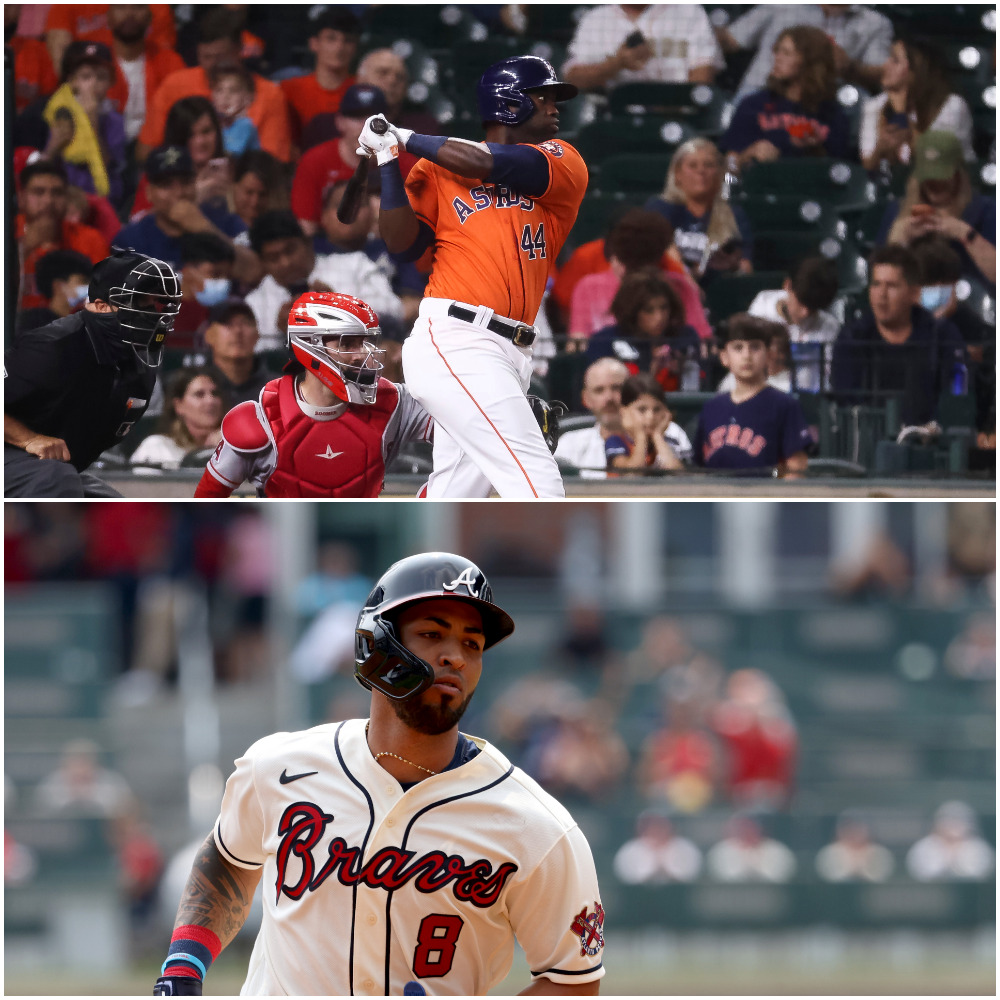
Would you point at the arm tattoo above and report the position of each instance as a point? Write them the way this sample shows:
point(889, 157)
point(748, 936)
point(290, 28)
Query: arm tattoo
point(217, 895)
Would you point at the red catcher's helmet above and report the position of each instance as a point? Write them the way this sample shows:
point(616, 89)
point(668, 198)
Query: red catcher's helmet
point(336, 337)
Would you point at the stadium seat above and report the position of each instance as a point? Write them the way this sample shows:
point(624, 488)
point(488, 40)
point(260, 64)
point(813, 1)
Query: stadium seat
point(781, 249)
point(698, 105)
point(733, 293)
point(436, 26)
point(790, 213)
point(836, 184)
point(613, 136)
point(565, 377)
point(632, 173)
point(554, 22)
point(597, 214)
point(864, 228)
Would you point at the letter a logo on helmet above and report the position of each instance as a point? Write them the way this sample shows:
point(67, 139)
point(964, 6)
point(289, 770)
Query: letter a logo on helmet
point(468, 578)
point(381, 661)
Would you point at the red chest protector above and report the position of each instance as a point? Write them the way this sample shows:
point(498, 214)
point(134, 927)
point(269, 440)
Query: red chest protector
point(327, 458)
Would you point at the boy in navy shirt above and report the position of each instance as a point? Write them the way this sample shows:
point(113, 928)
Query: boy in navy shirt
point(755, 426)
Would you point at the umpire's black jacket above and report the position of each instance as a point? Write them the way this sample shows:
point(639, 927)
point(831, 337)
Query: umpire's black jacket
point(72, 380)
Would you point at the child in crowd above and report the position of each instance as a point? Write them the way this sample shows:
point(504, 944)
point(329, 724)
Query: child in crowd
point(801, 305)
point(651, 440)
point(232, 95)
point(755, 426)
point(779, 363)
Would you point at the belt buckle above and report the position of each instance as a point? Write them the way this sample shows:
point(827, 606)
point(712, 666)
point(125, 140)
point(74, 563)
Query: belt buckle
point(524, 335)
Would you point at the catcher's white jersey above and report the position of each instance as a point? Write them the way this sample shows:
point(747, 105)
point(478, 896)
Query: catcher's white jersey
point(367, 887)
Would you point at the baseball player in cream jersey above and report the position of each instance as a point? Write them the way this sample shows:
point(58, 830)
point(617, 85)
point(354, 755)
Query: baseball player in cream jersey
point(396, 854)
point(493, 217)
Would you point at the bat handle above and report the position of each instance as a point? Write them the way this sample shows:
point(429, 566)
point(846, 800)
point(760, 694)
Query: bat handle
point(379, 126)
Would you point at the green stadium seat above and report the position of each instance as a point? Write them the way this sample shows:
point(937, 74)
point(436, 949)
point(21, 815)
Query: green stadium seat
point(698, 105)
point(836, 184)
point(598, 212)
point(865, 227)
point(790, 213)
point(613, 136)
point(733, 293)
point(780, 250)
point(631, 173)
point(565, 377)
point(434, 26)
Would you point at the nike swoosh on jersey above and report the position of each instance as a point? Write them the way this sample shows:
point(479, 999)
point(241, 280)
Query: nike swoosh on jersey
point(286, 777)
point(329, 453)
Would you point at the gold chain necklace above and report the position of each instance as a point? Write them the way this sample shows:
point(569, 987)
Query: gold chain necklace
point(389, 753)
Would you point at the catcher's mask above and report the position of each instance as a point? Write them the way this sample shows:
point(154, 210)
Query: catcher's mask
point(336, 337)
point(146, 295)
point(381, 661)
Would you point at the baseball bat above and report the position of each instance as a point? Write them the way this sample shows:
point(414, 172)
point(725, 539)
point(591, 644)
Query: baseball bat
point(357, 186)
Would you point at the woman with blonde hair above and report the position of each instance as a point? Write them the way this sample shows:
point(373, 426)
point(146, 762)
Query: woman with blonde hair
point(796, 113)
point(710, 234)
point(191, 420)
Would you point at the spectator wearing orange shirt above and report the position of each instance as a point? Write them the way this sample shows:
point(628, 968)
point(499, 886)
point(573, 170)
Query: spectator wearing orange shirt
point(34, 76)
point(42, 225)
point(334, 42)
point(219, 42)
point(88, 22)
point(143, 63)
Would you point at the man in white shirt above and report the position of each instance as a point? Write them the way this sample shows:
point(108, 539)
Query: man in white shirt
point(293, 268)
point(602, 396)
point(621, 43)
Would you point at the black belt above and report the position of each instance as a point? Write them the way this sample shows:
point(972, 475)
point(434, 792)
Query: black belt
point(521, 334)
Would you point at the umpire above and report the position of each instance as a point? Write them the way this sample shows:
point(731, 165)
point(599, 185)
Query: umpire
point(75, 387)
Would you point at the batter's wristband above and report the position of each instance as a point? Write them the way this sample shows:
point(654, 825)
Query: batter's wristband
point(192, 950)
point(393, 189)
point(425, 146)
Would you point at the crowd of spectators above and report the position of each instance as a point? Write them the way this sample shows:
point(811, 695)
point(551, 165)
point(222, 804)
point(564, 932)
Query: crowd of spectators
point(220, 138)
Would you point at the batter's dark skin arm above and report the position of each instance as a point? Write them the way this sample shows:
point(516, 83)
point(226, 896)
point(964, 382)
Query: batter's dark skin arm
point(217, 894)
point(399, 227)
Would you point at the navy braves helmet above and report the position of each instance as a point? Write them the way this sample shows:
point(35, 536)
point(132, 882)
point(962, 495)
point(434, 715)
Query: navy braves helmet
point(381, 661)
point(508, 82)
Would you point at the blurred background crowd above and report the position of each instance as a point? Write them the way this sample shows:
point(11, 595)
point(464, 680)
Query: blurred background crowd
point(829, 169)
point(764, 716)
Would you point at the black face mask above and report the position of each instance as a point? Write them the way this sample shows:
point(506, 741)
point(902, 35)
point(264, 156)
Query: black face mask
point(106, 328)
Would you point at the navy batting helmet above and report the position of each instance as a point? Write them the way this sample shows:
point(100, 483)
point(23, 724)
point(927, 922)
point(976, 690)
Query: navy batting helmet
point(508, 82)
point(381, 661)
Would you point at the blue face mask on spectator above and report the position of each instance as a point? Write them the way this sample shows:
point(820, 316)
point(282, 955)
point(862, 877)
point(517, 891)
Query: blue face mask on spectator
point(216, 290)
point(933, 297)
point(77, 295)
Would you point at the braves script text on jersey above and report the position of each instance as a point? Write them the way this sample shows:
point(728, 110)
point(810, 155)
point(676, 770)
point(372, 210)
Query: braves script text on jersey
point(494, 251)
point(367, 886)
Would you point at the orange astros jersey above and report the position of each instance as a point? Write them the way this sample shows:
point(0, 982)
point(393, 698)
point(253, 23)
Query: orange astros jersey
point(494, 246)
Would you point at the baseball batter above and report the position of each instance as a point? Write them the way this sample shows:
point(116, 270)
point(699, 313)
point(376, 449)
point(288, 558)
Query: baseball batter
point(492, 217)
point(396, 854)
point(328, 427)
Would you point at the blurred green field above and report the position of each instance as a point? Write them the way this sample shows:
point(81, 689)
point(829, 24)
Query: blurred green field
point(815, 964)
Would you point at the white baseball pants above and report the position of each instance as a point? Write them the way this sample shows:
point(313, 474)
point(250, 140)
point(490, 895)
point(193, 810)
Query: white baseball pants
point(473, 383)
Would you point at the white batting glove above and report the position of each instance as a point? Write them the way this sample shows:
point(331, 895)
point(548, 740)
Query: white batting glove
point(383, 146)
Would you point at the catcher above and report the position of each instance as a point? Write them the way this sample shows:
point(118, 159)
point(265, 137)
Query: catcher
point(331, 424)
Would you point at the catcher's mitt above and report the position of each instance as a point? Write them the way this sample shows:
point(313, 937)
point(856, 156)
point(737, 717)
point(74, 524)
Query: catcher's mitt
point(547, 414)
